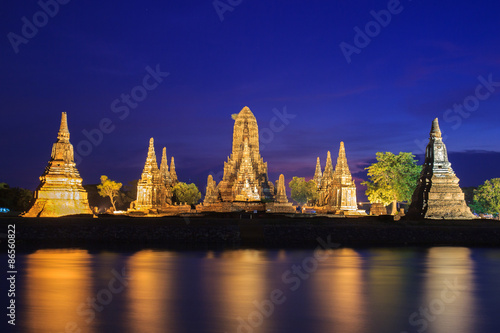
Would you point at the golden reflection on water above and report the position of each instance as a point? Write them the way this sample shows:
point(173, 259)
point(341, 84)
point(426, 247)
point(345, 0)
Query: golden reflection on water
point(151, 292)
point(57, 282)
point(340, 292)
point(233, 281)
point(449, 290)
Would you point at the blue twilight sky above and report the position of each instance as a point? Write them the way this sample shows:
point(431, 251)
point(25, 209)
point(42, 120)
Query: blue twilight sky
point(328, 65)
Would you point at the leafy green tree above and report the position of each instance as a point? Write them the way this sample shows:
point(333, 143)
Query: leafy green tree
point(109, 188)
point(487, 197)
point(187, 193)
point(303, 191)
point(392, 178)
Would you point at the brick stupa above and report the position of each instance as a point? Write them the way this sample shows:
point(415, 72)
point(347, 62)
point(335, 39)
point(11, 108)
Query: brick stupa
point(438, 195)
point(60, 191)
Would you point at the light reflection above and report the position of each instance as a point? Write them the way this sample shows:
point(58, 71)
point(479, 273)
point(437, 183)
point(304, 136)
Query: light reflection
point(151, 295)
point(449, 290)
point(233, 282)
point(339, 292)
point(57, 283)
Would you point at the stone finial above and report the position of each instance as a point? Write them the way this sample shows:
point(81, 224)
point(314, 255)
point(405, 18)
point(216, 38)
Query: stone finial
point(63, 134)
point(435, 130)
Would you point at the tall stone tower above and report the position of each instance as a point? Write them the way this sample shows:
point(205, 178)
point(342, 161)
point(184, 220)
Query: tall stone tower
point(60, 191)
point(245, 172)
point(151, 190)
point(438, 195)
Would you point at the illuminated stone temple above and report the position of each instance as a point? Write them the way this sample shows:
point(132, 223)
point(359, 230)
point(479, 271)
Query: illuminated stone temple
point(245, 184)
point(438, 195)
point(337, 190)
point(154, 189)
point(60, 191)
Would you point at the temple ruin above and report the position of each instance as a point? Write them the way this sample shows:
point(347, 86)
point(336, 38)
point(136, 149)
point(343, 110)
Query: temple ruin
point(154, 189)
point(336, 188)
point(60, 191)
point(438, 195)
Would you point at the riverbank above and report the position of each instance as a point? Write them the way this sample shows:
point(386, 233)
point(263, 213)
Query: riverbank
point(232, 231)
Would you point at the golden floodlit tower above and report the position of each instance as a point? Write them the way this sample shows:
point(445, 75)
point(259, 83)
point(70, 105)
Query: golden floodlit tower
point(60, 191)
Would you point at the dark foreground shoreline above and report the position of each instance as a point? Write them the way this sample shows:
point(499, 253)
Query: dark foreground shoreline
point(234, 231)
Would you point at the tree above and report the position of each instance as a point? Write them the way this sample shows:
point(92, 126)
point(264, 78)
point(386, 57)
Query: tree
point(109, 188)
point(303, 191)
point(187, 193)
point(392, 178)
point(16, 199)
point(487, 197)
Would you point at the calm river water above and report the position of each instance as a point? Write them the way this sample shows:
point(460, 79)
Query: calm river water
point(441, 289)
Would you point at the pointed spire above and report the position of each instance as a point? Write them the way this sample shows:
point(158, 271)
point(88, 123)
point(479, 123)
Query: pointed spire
point(165, 174)
point(63, 129)
point(318, 174)
point(435, 130)
point(151, 153)
point(173, 174)
point(342, 168)
point(329, 166)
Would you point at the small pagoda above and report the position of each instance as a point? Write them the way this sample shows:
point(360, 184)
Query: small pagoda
point(60, 191)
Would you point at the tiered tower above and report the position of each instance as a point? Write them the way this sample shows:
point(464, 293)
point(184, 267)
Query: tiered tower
point(344, 193)
point(245, 172)
point(60, 191)
point(438, 195)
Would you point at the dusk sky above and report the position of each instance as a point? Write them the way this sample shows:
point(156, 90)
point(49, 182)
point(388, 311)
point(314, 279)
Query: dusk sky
point(377, 90)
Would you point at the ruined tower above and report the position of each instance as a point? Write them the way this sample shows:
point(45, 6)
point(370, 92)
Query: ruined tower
point(60, 191)
point(438, 195)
